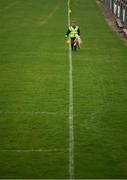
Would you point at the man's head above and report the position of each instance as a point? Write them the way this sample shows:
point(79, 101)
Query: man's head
point(73, 23)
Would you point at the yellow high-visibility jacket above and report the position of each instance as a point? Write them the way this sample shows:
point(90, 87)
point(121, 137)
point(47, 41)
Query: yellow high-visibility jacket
point(73, 31)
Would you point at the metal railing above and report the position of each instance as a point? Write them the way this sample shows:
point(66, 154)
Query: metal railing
point(118, 9)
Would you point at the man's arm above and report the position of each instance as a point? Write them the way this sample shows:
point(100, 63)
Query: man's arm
point(78, 31)
point(68, 32)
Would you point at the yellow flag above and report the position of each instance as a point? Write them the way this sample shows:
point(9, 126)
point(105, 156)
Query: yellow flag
point(68, 41)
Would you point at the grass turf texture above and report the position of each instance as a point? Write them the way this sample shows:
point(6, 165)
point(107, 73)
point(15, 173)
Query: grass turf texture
point(34, 70)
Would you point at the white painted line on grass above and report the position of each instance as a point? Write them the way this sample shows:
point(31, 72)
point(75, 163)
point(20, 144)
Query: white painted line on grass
point(30, 113)
point(51, 14)
point(32, 150)
point(71, 126)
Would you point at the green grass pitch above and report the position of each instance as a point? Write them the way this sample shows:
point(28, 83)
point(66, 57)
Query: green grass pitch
point(34, 93)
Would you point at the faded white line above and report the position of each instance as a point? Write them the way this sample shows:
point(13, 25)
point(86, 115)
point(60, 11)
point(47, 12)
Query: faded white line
point(71, 126)
point(51, 14)
point(34, 54)
point(9, 6)
point(31, 113)
point(32, 150)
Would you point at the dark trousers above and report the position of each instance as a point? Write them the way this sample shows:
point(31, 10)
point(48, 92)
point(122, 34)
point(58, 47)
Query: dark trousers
point(72, 44)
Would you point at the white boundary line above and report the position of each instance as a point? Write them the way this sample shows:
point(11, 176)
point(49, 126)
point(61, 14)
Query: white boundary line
point(71, 126)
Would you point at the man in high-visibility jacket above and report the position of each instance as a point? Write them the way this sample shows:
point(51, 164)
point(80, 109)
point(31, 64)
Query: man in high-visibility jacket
point(72, 32)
